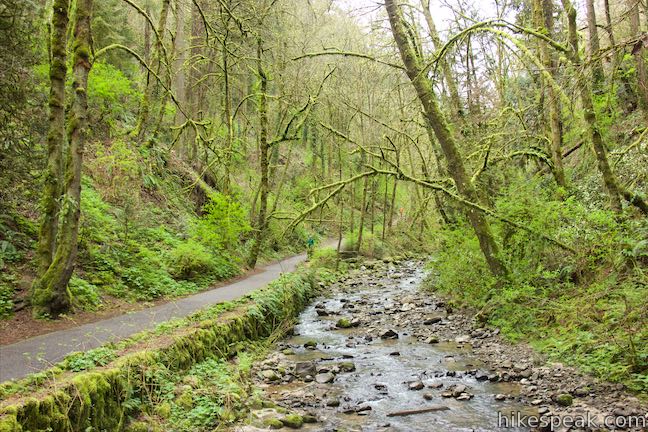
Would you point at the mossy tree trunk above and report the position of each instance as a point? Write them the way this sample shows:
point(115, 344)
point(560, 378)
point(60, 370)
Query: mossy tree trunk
point(455, 100)
point(594, 45)
point(639, 50)
point(261, 224)
point(151, 89)
point(614, 190)
point(227, 112)
point(545, 23)
point(56, 139)
point(365, 187)
point(437, 122)
point(50, 294)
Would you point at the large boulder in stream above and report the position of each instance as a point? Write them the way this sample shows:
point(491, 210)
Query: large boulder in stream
point(303, 369)
point(324, 378)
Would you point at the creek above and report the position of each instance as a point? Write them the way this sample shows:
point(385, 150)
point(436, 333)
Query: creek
point(388, 360)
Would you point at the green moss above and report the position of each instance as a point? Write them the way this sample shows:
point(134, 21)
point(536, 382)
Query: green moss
point(138, 426)
point(343, 323)
point(9, 424)
point(310, 344)
point(273, 423)
point(564, 399)
point(185, 400)
point(309, 419)
point(293, 421)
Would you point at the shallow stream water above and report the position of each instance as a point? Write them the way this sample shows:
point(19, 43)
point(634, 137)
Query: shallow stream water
point(385, 368)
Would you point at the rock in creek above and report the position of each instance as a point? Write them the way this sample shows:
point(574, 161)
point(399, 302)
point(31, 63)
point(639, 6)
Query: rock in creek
point(270, 375)
point(389, 334)
point(324, 378)
point(432, 320)
point(303, 369)
point(346, 367)
point(416, 385)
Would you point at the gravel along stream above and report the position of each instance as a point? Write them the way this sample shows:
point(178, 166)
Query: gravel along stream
point(375, 353)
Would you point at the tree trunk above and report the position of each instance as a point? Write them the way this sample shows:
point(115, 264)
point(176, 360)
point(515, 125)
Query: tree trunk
point(544, 14)
point(608, 22)
point(385, 201)
point(51, 294)
point(642, 75)
point(614, 190)
point(594, 45)
point(56, 139)
point(458, 111)
point(180, 49)
point(147, 36)
point(262, 222)
point(439, 125)
point(392, 205)
point(363, 213)
point(193, 93)
point(151, 88)
point(227, 117)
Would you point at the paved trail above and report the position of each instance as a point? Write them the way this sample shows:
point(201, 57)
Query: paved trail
point(40, 352)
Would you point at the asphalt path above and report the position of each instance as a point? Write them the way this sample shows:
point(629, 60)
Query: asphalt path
point(41, 352)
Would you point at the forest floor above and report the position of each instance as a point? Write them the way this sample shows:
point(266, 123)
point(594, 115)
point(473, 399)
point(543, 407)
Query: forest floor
point(57, 339)
point(377, 353)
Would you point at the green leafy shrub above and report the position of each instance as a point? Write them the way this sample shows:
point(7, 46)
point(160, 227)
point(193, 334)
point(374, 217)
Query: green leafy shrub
point(112, 97)
point(7, 252)
point(147, 277)
point(98, 225)
point(6, 300)
point(324, 258)
point(15, 232)
point(223, 222)
point(463, 274)
point(191, 260)
point(84, 294)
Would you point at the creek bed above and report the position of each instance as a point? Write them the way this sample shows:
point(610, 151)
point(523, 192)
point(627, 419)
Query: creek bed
point(381, 376)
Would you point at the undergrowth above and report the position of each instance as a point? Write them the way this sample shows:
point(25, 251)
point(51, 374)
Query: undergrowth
point(587, 308)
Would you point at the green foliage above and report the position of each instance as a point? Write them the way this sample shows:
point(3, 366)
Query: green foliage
point(585, 308)
point(127, 260)
point(81, 361)
point(112, 97)
point(6, 299)
point(7, 252)
point(84, 294)
point(216, 392)
point(191, 260)
point(110, 25)
point(324, 258)
point(147, 277)
point(19, 100)
point(14, 231)
point(223, 222)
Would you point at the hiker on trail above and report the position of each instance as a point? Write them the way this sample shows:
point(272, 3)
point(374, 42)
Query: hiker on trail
point(310, 245)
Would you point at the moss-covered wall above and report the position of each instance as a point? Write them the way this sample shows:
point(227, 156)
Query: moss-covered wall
point(98, 399)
